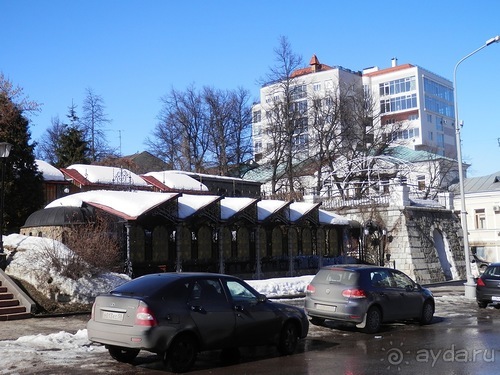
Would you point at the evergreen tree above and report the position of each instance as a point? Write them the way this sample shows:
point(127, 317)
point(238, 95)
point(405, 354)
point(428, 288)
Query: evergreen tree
point(23, 182)
point(72, 148)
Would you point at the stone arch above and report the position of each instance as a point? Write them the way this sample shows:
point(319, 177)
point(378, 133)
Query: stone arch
point(445, 256)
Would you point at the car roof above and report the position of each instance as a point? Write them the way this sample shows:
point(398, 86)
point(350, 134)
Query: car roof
point(353, 267)
point(183, 275)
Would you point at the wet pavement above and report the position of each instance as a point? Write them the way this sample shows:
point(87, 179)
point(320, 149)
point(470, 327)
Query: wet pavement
point(462, 339)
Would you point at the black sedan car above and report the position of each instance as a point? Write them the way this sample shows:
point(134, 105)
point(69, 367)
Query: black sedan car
point(488, 286)
point(366, 296)
point(179, 314)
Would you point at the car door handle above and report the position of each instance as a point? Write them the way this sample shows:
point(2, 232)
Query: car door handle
point(197, 308)
point(238, 308)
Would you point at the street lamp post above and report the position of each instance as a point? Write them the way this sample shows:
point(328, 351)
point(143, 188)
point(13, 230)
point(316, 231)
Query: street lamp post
point(470, 285)
point(4, 154)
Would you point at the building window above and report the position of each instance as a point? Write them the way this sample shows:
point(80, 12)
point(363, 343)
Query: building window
point(317, 87)
point(298, 92)
point(397, 86)
point(421, 182)
point(440, 140)
point(256, 117)
point(399, 103)
point(480, 218)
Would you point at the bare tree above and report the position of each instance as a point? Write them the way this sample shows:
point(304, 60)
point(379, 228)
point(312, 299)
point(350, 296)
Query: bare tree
point(241, 135)
point(352, 141)
point(50, 141)
point(229, 131)
point(94, 121)
point(203, 130)
point(286, 116)
point(181, 137)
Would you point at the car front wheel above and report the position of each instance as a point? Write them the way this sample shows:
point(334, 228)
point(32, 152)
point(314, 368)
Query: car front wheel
point(427, 313)
point(289, 339)
point(123, 354)
point(181, 355)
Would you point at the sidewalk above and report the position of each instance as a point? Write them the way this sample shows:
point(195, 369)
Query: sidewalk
point(453, 288)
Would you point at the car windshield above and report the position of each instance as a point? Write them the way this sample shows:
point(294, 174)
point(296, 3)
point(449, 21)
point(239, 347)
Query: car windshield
point(336, 276)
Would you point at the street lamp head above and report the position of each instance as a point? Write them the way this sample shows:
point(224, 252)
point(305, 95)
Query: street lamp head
point(5, 149)
point(495, 39)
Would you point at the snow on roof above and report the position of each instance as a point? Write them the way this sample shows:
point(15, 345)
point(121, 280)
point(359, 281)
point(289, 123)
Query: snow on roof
point(299, 209)
point(178, 180)
point(189, 204)
point(327, 217)
point(131, 203)
point(135, 203)
point(108, 175)
point(231, 206)
point(268, 207)
point(49, 172)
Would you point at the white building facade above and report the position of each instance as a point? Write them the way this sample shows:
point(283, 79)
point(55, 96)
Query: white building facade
point(482, 202)
point(402, 93)
point(423, 100)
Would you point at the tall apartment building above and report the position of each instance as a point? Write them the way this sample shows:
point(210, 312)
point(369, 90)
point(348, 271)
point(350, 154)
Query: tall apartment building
point(421, 98)
point(403, 93)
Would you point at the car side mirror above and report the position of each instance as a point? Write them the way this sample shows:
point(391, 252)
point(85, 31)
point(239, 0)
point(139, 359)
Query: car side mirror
point(410, 288)
point(261, 298)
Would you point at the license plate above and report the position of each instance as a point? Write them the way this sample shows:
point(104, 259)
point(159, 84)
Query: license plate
point(326, 308)
point(110, 315)
point(494, 298)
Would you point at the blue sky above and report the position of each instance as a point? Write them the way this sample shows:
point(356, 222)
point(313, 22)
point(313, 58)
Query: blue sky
point(134, 52)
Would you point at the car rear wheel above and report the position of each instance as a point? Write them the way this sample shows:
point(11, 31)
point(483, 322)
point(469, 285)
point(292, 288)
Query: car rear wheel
point(181, 355)
point(427, 313)
point(482, 304)
point(289, 339)
point(373, 320)
point(317, 321)
point(123, 354)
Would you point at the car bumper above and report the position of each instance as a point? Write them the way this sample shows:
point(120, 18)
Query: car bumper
point(123, 336)
point(350, 312)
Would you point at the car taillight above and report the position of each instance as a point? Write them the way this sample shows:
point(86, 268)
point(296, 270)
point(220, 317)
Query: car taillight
point(144, 317)
point(310, 289)
point(480, 282)
point(354, 293)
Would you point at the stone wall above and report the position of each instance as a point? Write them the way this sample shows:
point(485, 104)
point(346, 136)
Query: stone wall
point(409, 240)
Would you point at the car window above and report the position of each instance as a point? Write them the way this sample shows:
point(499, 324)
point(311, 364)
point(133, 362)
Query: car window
point(205, 292)
point(336, 276)
point(401, 280)
point(493, 271)
point(240, 292)
point(381, 279)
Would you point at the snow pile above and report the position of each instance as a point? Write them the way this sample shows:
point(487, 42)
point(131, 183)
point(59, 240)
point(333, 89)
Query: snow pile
point(27, 260)
point(281, 287)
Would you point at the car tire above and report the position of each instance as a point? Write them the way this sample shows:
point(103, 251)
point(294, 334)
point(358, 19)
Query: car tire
point(427, 313)
point(289, 338)
point(482, 304)
point(181, 354)
point(123, 354)
point(373, 320)
point(317, 321)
